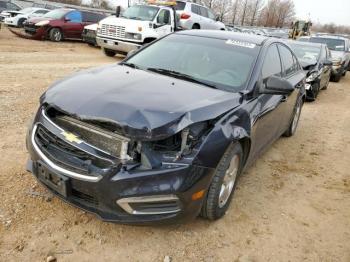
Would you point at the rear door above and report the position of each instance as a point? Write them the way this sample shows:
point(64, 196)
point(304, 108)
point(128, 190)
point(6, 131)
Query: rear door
point(293, 73)
point(73, 25)
point(196, 16)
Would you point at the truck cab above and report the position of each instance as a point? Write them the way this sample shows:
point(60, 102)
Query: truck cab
point(138, 25)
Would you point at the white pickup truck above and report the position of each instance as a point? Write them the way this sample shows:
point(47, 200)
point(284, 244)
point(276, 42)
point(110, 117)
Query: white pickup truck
point(138, 25)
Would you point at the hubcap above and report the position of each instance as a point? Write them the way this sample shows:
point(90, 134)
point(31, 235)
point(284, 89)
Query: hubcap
point(229, 181)
point(296, 117)
point(57, 36)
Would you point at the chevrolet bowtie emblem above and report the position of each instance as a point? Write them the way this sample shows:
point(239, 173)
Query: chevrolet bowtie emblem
point(71, 137)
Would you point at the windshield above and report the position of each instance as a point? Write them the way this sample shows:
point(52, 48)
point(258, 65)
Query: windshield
point(56, 14)
point(141, 12)
point(307, 54)
point(225, 64)
point(333, 44)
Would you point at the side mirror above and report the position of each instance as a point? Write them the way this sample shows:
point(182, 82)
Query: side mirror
point(66, 19)
point(327, 62)
point(217, 18)
point(276, 86)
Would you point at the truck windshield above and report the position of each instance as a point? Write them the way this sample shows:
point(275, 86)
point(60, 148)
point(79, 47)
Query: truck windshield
point(141, 12)
point(333, 44)
point(221, 63)
point(56, 14)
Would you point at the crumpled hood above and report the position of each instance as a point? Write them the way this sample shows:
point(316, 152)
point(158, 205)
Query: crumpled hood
point(141, 104)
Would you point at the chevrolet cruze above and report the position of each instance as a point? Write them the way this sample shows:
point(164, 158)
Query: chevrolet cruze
point(164, 135)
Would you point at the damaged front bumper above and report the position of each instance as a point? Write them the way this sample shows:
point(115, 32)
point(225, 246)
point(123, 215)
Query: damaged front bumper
point(101, 184)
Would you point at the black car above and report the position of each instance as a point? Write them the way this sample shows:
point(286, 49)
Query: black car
point(316, 60)
point(164, 135)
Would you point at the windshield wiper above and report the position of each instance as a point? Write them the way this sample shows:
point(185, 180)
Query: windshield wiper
point(132, 65)
point(181, 76)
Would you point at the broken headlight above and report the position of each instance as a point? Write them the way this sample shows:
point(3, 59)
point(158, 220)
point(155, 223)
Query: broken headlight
point(151, 154)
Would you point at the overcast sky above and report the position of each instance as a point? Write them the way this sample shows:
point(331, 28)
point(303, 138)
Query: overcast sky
point(324, 11)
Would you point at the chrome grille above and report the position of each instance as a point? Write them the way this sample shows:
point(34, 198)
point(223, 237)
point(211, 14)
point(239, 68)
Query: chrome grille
point(113, 31)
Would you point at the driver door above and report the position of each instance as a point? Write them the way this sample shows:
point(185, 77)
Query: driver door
point(73, 25)
point(164, 22)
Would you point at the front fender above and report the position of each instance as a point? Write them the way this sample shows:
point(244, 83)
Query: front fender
point(232, 127)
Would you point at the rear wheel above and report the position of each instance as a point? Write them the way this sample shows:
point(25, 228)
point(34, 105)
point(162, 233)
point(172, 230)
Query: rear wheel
point(56, 35)
point(109, 52)
point(295, 119)
point(224, 183)
point(196, 26)
point(326, 86)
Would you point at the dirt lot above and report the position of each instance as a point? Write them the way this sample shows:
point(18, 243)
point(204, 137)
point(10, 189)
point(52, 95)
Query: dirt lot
point(292, 205)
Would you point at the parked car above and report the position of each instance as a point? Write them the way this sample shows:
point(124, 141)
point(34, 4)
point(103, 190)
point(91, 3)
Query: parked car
point(317, 63)
point(17, 18)
point(165, 134)
point(137, 26)
point(195, 16)
point(7, 6)
point(89, 34)
point(60, 24)
point(340, 49)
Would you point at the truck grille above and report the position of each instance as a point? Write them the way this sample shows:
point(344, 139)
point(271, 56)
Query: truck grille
point(113, 31)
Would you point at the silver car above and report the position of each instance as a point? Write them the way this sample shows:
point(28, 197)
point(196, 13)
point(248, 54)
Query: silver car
point(195, 16)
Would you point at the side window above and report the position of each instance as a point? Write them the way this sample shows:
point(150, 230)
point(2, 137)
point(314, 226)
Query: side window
point(163, 17)
point(2, 4)
point(272, 63)
point(195, 9)
point(211, 15)
point(288, 60)
point(74, 16)
point(41, 12)
point(204, 11)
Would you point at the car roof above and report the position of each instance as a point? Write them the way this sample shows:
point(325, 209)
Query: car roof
point(330, 37)
point(220, 34)
point(293, 42)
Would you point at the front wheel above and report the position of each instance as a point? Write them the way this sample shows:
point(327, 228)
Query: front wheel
point(109, 52)
point(295, 119)
point(224, 183)
point(21, 22)
point(56, 35)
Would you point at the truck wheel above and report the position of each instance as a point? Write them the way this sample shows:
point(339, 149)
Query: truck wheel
point(56, 35)
point(196, 26)
point(21, 22)
point(109, 52)
point(224, 183)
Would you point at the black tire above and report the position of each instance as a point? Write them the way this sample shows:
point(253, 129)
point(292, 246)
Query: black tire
point(56, 35)
point(21, 22)
point(109, 52)
point(344, 73)
point(295, 118)
point(336, 78)
point(211, 208)
point(196, 26)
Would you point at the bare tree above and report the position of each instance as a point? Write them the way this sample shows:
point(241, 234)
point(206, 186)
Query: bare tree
point(256, 10)
point(235, 9)
point(245, 5)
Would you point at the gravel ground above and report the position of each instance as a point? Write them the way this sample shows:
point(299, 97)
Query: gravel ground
point(293, 204)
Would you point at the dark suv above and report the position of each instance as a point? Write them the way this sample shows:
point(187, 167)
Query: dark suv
point(60, 24)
